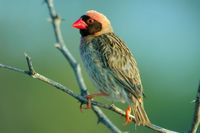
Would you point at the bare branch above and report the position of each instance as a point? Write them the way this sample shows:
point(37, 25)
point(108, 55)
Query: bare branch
point(160, 129)
point(196, 118)
point(13, 68)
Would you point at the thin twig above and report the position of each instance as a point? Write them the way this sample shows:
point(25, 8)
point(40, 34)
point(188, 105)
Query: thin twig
point(196, 118)
point(30, 65)
point(13, 68)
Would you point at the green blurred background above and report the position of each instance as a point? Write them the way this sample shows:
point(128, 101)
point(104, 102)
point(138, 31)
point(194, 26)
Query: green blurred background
point(163, 35)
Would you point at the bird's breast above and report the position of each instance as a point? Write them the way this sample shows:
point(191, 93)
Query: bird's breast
point(91, 58)
point(99, 73)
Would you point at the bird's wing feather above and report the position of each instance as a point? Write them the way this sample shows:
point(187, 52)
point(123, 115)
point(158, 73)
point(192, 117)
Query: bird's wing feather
point(120, 63)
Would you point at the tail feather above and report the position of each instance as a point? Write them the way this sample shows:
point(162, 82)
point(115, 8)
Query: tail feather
point(141, 117)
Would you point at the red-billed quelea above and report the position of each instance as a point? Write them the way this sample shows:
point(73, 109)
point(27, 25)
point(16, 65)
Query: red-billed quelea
point(110, 64)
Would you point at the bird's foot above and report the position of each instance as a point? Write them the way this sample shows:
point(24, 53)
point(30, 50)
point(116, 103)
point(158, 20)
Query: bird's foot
point(88, 104)
point(128, 112)
point(89, 99)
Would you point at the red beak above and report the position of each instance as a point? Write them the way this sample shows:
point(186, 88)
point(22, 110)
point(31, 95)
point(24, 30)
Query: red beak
point(80, 24)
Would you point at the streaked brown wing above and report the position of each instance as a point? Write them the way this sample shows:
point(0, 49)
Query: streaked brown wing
point(120, 62)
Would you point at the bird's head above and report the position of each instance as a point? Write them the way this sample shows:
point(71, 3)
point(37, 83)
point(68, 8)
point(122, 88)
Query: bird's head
point(93, 23)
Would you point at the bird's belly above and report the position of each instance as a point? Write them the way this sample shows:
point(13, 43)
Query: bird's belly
point(102, 78)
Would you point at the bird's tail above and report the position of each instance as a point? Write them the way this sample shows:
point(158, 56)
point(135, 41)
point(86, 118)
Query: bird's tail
point(141, 117)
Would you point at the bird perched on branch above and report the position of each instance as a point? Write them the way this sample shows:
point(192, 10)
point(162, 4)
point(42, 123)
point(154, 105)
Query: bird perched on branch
point(110, 64)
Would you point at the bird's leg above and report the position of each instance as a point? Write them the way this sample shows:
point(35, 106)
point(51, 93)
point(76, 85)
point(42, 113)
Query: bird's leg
point(128, 112)
point(90, 97)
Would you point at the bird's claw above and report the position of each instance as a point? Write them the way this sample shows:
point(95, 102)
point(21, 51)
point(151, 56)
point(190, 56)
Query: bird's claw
point(88, 104)
point(128, 112)
point(89, 99)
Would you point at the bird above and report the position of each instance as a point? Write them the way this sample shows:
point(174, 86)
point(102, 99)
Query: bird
point(110, 64)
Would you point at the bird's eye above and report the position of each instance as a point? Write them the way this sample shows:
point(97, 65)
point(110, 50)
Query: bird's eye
point(90, 21)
